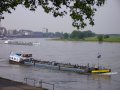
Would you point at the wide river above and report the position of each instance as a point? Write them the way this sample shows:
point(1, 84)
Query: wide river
point(73, 52)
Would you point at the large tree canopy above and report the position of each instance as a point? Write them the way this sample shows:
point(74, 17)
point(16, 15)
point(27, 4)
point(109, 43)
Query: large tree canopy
point(79, 10)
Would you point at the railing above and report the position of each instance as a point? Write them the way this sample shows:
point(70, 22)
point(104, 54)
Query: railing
point(40, 82)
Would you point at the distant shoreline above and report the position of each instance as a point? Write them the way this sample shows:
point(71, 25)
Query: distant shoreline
point(91, 39)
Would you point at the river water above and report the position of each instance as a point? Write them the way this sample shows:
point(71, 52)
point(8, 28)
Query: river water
point(73, 52)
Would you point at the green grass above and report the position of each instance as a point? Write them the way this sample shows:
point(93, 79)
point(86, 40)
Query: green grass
point(112, 39)
point(92, 39)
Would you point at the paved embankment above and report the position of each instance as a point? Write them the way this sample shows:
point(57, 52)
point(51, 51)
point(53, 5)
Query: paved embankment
point(6, 84)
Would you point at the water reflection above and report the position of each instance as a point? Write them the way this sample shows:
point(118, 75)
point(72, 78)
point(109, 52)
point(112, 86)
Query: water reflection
point(98, 82)
point(101, 77)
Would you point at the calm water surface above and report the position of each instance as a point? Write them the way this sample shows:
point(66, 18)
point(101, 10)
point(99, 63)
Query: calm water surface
point(80, 53)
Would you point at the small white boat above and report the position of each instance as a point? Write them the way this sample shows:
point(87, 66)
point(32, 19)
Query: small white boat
point(19, 58)
point(6, 42)
point(36, 43)
point(20, 43)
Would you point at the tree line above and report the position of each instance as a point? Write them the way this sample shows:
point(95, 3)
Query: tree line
point(76, 34)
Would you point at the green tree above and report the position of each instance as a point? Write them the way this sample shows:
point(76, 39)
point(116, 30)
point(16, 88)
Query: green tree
point(79, 10)
point(81, 34)
point(58, 34)
point(88, 33)
point(106, 36)
point(100, 38)
point(75, 34)
point(66, 35)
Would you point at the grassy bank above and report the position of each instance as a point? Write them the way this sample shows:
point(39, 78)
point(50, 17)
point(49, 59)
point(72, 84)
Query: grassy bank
point(92, 39)
point(110, 39)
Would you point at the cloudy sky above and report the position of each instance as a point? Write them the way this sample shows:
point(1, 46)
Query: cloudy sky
point(107, 20)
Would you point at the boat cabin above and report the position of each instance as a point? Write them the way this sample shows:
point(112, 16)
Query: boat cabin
point(19, 57)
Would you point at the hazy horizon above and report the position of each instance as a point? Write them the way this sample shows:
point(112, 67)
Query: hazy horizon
point(107, 20)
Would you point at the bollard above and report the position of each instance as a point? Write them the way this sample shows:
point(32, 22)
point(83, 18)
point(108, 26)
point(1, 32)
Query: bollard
point(34, 63)
point(40, 83)
point(53, 86)
point(59, 66)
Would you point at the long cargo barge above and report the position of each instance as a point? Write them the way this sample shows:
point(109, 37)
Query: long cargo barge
point(26, 59)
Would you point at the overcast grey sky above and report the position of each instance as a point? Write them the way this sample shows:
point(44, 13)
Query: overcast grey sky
point(107, 20)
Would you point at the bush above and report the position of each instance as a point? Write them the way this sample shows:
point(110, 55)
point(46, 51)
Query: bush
point(100, 38)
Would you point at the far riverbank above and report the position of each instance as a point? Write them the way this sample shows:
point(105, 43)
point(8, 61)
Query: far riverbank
point(91, 39)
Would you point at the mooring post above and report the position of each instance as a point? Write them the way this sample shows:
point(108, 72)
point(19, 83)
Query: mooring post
point(34, 82)
point(59, 67)
point(40, 83)
point(53, 86)
point(34, 62)
point(25, 80)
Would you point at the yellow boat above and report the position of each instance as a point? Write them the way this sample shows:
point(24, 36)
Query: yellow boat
point(101, 71)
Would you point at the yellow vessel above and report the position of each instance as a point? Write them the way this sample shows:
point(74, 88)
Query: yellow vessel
point(101, 71)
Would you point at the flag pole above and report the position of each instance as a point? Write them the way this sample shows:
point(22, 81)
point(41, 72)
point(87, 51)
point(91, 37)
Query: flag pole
point(99, 56)
point(98, 63)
